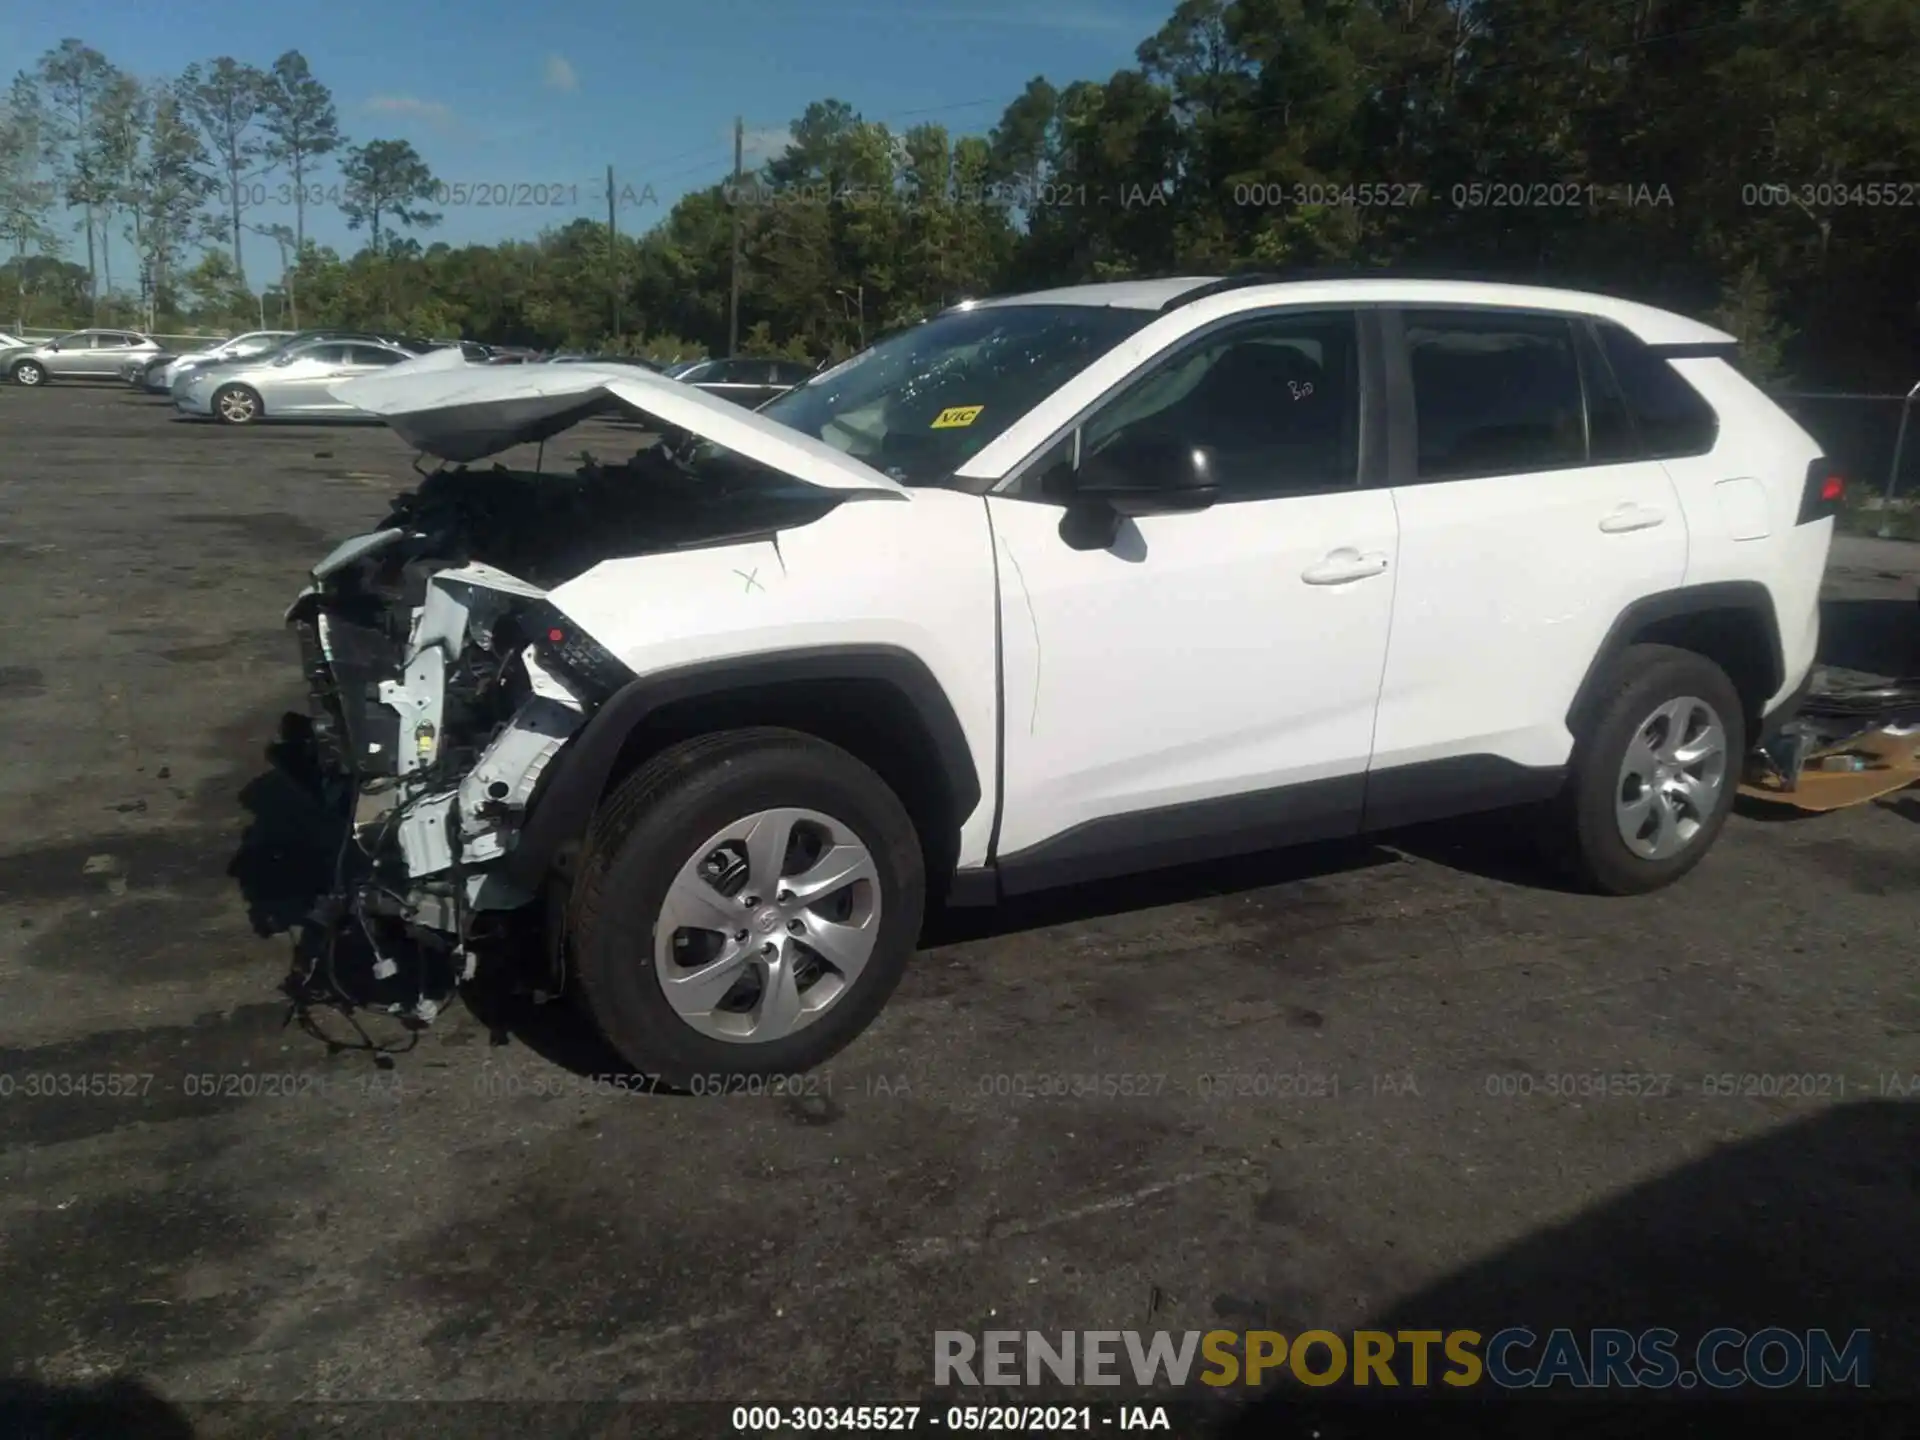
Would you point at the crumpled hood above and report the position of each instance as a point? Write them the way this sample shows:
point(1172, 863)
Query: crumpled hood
point(463, 412)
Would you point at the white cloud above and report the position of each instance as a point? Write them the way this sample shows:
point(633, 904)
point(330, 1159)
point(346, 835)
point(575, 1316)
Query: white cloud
point(441, 117)
point(559, 74)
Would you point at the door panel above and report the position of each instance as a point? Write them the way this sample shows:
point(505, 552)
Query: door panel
point(1192, 661)
point(73, 357)
point(1508, 582)
point(1208, 682)
point(105, 356)
point(299, 386)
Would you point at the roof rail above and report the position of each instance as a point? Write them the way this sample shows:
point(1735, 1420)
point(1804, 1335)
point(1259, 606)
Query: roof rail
point(1231, 282)
point(1244, 278)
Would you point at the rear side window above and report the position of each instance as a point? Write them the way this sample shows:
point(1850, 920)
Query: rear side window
point(1671, 417)
point(1495, 393)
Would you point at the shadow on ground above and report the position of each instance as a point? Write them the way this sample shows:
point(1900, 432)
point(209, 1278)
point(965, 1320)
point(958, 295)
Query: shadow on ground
point(1815, 1225)
point(119, 1409)
point(290, 852)
point(1877, 637)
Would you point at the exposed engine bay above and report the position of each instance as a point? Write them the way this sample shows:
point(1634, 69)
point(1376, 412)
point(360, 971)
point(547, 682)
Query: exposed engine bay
point(442, 681)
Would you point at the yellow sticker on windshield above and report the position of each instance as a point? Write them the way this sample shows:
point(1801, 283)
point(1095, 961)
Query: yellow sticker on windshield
point(955, 416)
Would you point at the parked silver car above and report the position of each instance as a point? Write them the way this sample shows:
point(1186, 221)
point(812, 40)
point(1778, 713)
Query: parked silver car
point(83, 355)
point(160, 379)
point(293, 382)
point(744, 380)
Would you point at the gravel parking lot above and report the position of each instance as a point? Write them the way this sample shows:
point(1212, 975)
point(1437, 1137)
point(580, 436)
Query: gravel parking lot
point(1313, 1090)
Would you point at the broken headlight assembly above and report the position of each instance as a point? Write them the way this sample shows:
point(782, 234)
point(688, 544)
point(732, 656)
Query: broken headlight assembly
point(567, 651)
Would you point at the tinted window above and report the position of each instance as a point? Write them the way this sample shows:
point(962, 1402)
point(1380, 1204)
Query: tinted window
point(1494, 394)
point(81, 341)
point(790, 372)
point(370, 355)
point(325, 354)
point(1670, 414)
point(1275, 403)
point(1610, 435)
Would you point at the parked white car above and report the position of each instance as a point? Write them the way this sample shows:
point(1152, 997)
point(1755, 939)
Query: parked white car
point(1050, 588)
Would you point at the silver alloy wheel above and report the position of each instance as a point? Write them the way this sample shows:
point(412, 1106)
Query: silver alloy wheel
point(28, 373)
point(237, 406)
point(1671, 779)
point(767, 925)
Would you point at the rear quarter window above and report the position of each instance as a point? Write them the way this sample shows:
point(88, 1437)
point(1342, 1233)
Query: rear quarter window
point(1671, 417)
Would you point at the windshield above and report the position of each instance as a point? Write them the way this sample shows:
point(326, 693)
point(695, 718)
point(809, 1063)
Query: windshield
point(919, 404)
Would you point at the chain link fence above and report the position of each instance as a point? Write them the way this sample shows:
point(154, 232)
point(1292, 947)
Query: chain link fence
point(1873, 438)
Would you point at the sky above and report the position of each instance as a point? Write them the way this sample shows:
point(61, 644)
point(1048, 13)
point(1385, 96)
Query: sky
point(531, 103)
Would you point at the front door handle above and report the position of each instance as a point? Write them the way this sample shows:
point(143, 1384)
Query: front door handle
point(1633, 517)
point(1344, 566)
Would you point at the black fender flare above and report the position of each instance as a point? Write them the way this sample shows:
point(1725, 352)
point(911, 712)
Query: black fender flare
point(566, 796)
point(1718, 596)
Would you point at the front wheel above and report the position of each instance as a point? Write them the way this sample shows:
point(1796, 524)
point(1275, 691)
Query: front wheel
point(236, 405)
point(29, 372)
point(1656, 774)
point(746, 904)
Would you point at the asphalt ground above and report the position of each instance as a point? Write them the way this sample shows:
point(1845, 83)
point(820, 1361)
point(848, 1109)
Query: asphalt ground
point(1336, 1089)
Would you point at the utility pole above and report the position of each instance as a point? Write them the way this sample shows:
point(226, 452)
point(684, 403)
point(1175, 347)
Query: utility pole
point(733, 303)
point(613, 258)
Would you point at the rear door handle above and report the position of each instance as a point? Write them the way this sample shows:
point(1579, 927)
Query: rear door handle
point(1633, 517)
point(1344, 566)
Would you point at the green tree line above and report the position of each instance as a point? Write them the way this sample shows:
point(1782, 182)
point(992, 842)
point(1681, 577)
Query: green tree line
point(1752, 161)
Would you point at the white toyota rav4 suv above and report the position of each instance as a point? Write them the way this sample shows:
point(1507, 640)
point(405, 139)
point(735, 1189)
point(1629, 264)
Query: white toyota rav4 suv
point(1048, 588)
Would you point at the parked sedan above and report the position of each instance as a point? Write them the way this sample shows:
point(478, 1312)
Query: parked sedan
point(633, 360)
point(82, 355)
point(746, 382)
point(294, 382)
point(159, 379)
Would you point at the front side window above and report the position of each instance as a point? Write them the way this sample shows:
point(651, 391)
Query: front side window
point(1494, 393)
point(1275, 403)
point(373, 355)
point(919, 404)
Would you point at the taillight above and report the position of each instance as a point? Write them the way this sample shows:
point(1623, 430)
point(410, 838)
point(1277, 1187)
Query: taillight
point(1824, 493)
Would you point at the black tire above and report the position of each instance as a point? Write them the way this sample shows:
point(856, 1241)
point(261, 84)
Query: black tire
point(248, 408)
point(29, 372)
point(1644, 678)
point(649, 827)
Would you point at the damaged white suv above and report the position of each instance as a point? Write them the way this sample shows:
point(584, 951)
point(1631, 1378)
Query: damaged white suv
point(1045, 589)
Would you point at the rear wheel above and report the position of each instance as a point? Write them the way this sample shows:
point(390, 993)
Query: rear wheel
point(746, 905)
point(1655, 777)
point(236, 405)
point(29, 372)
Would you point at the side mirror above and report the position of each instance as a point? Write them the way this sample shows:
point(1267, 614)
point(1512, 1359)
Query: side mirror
point(1134, 476)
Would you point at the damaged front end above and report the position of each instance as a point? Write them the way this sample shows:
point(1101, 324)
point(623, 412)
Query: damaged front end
point(437, 696)
point(443, 678)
